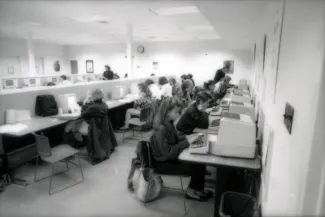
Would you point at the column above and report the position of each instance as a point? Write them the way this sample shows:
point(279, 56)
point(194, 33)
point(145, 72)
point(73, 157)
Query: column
point(31, 54)
point(129, 51)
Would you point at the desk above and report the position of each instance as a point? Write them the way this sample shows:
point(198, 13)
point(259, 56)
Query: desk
point(221, 164)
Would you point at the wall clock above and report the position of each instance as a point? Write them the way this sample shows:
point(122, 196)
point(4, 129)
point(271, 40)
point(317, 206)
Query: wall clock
point(140, 49)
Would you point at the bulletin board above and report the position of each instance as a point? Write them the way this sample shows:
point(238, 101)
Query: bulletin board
point(272, 52)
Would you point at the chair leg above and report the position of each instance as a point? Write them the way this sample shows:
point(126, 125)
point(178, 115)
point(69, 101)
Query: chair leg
point(51, 179)
point(36, 169)
point(82, 174)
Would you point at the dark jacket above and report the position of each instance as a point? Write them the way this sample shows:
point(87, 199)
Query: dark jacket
point(94, 109)
point(219, 75)
point(177, 90)
point(166, 144)
point(191, 119)
point(108, 74)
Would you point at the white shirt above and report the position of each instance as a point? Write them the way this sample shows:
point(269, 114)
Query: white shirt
point(166, 90)
point(155, 91)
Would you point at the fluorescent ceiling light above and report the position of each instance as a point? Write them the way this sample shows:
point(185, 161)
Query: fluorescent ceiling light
point(175, 10)
point(91, 19)
point(197, 28)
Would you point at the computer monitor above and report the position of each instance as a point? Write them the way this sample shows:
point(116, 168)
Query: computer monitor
point(54, 80)
point(68, 102)
point(118, 92)
point(242, 108)
point(10, 84)
point(236, 138)
point(239, 98)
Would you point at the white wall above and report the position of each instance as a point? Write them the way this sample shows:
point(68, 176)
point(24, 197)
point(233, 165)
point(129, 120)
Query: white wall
point(50, 53)
point(299, 79)
point(201, 59)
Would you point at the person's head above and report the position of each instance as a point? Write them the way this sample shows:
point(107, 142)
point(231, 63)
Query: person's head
point(149, 82)
point(63, 77)
point(97, 95)
point(163, 80)
point(203, 99)
point(172, 81)
point(184, 77)
point(196, 91)
point(190, 76)
point(169, 110)
point(107, 67)
point(143, 88)
point(227, 79)
point(210, 85)
point(226, 68)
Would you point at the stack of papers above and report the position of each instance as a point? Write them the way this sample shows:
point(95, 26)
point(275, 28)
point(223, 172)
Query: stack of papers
point(13, 128)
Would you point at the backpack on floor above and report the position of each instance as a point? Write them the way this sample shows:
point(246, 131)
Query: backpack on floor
point(46, 106)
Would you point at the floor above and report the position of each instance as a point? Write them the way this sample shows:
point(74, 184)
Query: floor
point(103, 192)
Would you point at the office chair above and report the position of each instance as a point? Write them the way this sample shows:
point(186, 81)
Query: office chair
point(60, 153)
point(147, 160)
point(143, 122)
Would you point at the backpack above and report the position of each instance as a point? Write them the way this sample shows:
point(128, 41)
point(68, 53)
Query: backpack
point(46, 106)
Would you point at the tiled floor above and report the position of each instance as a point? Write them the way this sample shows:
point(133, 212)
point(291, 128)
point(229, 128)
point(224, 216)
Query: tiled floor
point(103, 192)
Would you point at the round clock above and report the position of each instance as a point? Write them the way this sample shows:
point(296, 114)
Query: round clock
point(140, 49)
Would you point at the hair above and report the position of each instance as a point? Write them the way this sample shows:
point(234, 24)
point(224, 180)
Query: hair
point(184, 77)
point(97, 95)
point(208, 83)
point(172, 80)
point(167, 104)
point(64, 77)
point(107, 67)
point(162, 80)
point(149, 82)
point(203, 96)
point(190, 76)
point(196, 91)
point(144, 89)
point(227, 78)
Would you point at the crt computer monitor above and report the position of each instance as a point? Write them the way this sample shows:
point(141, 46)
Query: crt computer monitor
point(68, 102)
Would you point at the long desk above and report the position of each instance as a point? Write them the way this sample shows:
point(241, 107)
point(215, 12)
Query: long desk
point(222, 165)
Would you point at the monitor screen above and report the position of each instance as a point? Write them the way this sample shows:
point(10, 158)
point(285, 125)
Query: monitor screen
point(54, 79)
point(32, 81)
point(9, 83)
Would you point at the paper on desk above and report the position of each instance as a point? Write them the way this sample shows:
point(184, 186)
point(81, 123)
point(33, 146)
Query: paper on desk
point(13, 128)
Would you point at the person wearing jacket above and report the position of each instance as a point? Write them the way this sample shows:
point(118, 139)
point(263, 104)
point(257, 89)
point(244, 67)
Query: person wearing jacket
point(166, 145)
point(194, 116)
point(221, 89)
point(176, 88)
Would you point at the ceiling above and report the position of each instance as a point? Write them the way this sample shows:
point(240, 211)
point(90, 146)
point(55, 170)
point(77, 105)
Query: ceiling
point(233, 22)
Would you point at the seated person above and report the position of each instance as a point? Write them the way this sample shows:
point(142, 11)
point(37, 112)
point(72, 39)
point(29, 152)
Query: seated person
point(176, 88)
point(166, 145)
point(194, 116)
point(190, 76)
point(108, 74)
point(187, 87)
point(154, 89)
point(64, 80)
point(144, 102)
point(93, 106)
point(221, 90)
point(166, 88)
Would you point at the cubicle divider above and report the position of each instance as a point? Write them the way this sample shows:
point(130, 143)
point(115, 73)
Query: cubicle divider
point(24, 99)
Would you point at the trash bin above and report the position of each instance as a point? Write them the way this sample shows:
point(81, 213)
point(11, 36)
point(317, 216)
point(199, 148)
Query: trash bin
point(238, 205)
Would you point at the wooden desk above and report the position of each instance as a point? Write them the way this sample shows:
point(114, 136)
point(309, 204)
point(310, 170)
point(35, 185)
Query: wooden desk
point(224, 166)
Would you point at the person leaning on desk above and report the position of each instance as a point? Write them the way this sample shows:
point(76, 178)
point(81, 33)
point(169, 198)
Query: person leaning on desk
point(194, 116)
point(93, 105)
point(166, 145)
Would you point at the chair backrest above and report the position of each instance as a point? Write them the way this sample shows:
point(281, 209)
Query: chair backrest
point(145, 114)
point(42, 145)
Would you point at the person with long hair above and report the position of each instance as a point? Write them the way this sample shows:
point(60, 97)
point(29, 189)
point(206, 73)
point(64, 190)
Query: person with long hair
point(166, 145)
point(144, 101)
point(194, 116)
point(176, 88)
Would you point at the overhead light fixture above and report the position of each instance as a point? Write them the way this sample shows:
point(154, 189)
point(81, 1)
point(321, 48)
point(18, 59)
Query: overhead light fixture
point(197, 28)
point(175, 10)
point(96, 18)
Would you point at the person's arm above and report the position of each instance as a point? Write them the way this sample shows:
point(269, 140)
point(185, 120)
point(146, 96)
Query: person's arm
point(201, 119)
point(170, 152)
